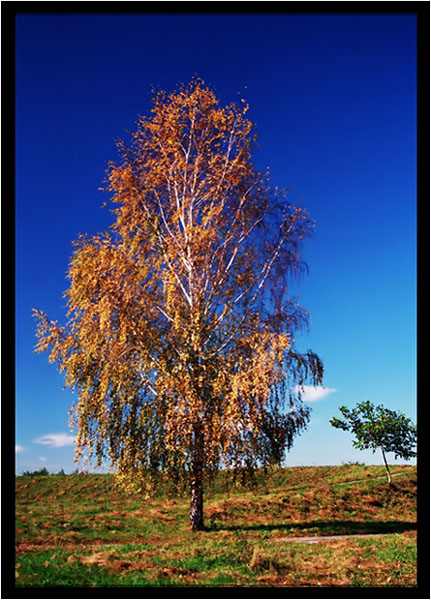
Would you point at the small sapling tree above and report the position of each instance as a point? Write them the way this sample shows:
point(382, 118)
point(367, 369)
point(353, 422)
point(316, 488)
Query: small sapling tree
point(378, 427)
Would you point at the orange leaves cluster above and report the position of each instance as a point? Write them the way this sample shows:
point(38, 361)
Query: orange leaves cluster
point(179, 323)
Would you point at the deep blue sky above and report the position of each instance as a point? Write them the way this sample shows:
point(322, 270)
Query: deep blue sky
point(334, 102)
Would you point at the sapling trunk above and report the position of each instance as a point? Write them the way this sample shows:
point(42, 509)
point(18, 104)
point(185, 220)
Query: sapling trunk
point(387, 468)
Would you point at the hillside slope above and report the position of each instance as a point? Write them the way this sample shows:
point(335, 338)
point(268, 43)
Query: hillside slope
point(81, 528)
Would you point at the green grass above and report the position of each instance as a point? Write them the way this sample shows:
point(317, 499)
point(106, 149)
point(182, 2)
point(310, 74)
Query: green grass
point(79, 530)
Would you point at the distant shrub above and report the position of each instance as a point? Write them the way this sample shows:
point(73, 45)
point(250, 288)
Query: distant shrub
point(39, 473)
point(80, 472)
point(351, 463)
point(61, 472)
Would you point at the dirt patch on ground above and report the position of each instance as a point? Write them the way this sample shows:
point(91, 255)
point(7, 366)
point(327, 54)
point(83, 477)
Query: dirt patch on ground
point(328, 538)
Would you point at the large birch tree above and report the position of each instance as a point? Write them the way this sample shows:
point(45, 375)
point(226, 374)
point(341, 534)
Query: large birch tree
point(180, 333)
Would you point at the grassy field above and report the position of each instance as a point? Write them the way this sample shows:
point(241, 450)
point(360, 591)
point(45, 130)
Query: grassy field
point(79, 530)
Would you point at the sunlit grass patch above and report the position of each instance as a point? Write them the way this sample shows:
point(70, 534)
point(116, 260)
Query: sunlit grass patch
point(239, 562)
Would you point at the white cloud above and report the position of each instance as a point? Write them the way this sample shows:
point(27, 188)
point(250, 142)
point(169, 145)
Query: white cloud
point(42, 458)
point(311, 393)
point(56, 440)
point(19, 449)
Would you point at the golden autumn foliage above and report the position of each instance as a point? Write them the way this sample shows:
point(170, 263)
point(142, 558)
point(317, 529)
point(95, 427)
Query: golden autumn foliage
point(180, 332)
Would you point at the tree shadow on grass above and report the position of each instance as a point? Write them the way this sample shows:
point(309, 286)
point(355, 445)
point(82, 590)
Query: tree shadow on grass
point(327, 527)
